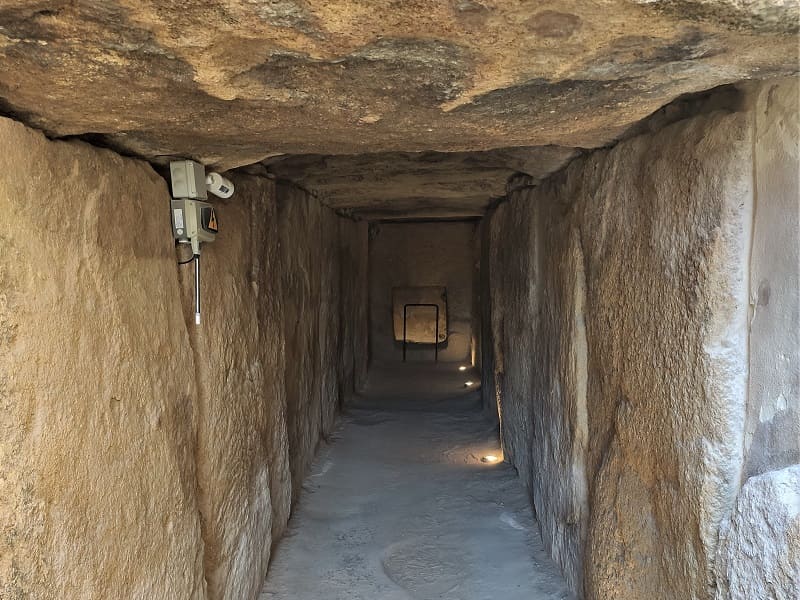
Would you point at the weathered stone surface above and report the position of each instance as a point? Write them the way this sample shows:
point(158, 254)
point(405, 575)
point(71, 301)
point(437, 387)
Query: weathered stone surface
point(309, 286)
point(485, 357)
point(427, 184)
point(666, 315)
point(759, 547)
point(234, 81)
point(143, 456)
point(354, 249)
point(625, 285)
point(424, 254)
point(98, 485)
point(241, 447)
point(772, 434)
point(539, 335)
point(256, 435)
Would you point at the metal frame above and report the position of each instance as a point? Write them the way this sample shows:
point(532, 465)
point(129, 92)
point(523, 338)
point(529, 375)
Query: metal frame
point(436, 339)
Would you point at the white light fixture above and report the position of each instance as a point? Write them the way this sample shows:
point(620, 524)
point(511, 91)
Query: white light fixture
point(469, 383)
point(462, 368)
point(219, 186)
point(489, 458)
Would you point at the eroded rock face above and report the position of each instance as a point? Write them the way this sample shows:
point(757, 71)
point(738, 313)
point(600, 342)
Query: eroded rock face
point(97, 391)
point(354, 250)
point(772, 431)
point(309, 283)
point(629, 354)
point(759, 549)
point(231, 82)
point(423, 185)
point(142, 456)
point(242, 448)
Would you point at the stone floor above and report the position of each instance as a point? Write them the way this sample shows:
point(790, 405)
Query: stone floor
point(401, 506)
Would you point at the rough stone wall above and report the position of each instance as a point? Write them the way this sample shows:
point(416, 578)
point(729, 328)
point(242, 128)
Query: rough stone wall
point(759, 542)
point(98, 401)
point(422, 254)
point(772, 435)
point(511, 273)
point(313, 310)
point(144, 457)
point(628, 284)
point(759, 549)
point(241, 447)
point(354, 323)
point(486, 362)
point(476, 354)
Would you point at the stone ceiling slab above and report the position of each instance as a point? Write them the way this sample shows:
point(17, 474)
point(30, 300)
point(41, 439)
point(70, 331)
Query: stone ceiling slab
point(231, 82)
point(447, 183)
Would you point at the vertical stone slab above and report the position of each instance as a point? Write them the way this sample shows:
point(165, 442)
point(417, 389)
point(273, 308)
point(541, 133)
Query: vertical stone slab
point(312, 307)
point(361, 307)
point(487, 358)
point(241, 447)
point(140, 459)
point(773, 417)
point(477, 313)
point(619, 300)
point(98, 491)
point(497, 249)
point(298, 226)
point(759, 547)
point(667, 229)
point(331, 308)
point(514, 303)
point(265, 280)
point(353, 323)
point(538, 260)
point(559, 399)
point(759, 550)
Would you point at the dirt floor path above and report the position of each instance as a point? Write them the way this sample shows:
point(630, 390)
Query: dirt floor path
point(400, 506)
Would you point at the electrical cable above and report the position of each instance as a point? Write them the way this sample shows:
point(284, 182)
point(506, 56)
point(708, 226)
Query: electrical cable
point(187, 261)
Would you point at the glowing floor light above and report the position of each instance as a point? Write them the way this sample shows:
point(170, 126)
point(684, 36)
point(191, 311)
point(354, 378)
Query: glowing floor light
point(490, 458)
point(469, 383)
point(462, 368)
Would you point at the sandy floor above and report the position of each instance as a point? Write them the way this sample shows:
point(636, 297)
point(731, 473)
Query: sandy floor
point(400, 506)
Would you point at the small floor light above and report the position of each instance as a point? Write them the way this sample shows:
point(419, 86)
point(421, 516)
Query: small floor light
point(469, 383)
point(489, 458)
point(462, 368)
